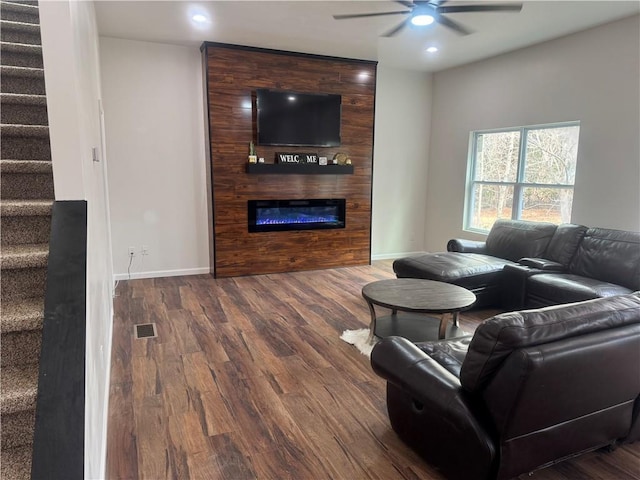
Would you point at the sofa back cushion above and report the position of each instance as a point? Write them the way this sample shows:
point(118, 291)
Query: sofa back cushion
point(609, 255)
point(564, 243)
point(515, 239)
point(497, 337)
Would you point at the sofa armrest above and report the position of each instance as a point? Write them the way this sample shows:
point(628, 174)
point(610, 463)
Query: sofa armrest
point(542, 264)
point(514, 284)
point(466, 246)
point(400, 362)
point(431, 412)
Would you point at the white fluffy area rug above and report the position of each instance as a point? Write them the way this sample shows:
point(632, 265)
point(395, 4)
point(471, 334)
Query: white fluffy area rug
point(358, 338)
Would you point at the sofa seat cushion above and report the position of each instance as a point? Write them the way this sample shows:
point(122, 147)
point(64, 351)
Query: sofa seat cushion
point(567, 288)
point(469, 270)
point(448, 353)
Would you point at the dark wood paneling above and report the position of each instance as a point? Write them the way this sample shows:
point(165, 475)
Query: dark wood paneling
point(233, 75)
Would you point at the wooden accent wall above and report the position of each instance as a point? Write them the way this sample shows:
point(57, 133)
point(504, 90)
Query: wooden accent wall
point(233, 74)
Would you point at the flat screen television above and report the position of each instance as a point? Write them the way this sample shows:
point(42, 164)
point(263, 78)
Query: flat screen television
point(298, 119)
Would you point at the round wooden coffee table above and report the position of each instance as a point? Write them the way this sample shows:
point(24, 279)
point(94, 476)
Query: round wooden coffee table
point(416, 297)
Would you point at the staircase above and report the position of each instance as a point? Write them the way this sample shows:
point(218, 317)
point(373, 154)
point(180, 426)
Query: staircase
point(26, 198)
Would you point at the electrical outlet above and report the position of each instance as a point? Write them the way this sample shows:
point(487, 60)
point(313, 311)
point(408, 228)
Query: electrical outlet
point(144, 250)
point(132, 251)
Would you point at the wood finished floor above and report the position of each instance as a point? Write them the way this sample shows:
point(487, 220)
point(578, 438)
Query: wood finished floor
point(248, 379)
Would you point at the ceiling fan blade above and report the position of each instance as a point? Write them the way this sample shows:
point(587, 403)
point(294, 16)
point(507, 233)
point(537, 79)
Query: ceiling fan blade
point(363, 15)
point(395, 30)
point(494, 7)
point(405, 3)
point(462, 30)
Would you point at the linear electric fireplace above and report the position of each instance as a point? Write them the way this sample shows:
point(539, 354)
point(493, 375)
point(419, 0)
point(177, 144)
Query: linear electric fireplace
point(283, 215)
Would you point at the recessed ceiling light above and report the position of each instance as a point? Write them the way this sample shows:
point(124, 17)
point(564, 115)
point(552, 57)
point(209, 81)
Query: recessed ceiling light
point(432, 49)
point(199, 18)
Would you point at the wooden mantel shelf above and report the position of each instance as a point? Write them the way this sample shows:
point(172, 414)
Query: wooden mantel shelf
point(299, 169)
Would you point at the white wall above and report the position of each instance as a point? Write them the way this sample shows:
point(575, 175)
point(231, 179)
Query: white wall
point(401, 147)
point(591, 76)
point(154, 113)
point(70, 50)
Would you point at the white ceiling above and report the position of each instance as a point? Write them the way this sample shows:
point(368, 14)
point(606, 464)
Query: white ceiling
point(308, 26)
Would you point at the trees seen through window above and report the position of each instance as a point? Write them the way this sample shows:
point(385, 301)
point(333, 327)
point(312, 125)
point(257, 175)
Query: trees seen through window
point(523, 173)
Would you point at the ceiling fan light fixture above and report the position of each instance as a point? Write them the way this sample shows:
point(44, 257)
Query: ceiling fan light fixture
point(422, 19)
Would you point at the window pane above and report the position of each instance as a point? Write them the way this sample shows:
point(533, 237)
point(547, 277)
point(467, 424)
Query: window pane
point(497, 156)
point(551, 155)
point(547, 204)
point(489, 203)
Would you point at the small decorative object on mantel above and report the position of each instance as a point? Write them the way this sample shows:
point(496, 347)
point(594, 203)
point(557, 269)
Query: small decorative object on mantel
point(322, 161)
point(341, 159)
point(299, 158)
point(253, 158)
point(261, 160)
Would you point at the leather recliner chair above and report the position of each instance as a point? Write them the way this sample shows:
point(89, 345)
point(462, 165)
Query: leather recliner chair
point(529, 388)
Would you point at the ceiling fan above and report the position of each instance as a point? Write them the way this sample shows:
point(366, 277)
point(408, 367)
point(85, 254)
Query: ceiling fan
point(425, 12)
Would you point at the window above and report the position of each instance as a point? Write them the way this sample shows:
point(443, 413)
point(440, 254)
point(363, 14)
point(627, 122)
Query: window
point(524, 173)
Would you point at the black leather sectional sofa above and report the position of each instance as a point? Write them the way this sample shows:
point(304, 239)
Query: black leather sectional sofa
point(532, 264)
point(529, 388)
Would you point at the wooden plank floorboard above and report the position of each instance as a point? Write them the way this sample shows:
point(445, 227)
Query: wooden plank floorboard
point(248, 379)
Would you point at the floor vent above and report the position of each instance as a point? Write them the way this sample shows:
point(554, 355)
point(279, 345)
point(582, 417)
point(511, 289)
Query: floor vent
point(145, 330)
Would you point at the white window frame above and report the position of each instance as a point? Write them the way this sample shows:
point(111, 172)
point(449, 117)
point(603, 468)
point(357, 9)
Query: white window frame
point(519, 184)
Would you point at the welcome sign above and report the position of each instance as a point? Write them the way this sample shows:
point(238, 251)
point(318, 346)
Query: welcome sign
point(299, 158)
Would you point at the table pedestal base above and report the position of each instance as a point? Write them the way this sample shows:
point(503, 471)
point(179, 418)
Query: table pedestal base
point(414, 327)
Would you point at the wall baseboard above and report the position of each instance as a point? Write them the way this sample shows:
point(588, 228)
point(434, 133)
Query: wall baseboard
point(162, 273)
point(392, 256)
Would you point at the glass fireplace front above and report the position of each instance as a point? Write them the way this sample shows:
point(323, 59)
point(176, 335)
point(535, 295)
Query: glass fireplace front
point(283, 215)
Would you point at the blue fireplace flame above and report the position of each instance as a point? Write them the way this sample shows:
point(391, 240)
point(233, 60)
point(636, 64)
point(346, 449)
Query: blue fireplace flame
point(293, 215)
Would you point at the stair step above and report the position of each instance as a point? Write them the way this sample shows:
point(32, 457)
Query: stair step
point(25, 80)
point(23, 109)
point(24, 186)
point(25, 142)
point(24, 256)
point(25, 166)
point(26, 179)
point(20, 348)
point(22, 99)
point(19, 386)
point(27, 314)
point(17, 429)
point(23, 72)
point(23, 2)
point(19, 32)
point(21, 55)
point(19, 12)
point(18, 283)
point(18, 230)
point(25, 208)
point(16, 463)
point(24, 131)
